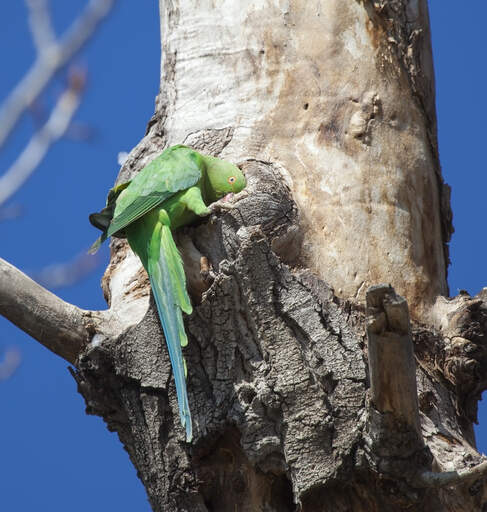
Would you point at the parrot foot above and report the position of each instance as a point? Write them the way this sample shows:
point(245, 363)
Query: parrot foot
point(220, 206)
point(227, 202)
point(239, 196)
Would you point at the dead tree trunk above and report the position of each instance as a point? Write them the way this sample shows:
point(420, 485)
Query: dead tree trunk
point(303, 397)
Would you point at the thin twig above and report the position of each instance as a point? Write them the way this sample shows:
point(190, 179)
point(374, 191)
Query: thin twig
point(40, 143)
point(48, 63)
point(10, 363)
point(59, 275)
point(40, 25)
point(10, 212)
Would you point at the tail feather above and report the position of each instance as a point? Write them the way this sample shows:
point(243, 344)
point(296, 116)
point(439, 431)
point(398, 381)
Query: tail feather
point(168, 284)
point(97, 243)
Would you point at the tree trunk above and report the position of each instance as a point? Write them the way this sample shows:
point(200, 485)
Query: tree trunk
point(302, 396)
point(340, 94)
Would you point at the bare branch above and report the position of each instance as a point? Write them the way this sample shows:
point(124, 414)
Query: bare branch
point(49, 62)
point(431, 479)
point(40, 143)
point(59, 326)
point(40, 25)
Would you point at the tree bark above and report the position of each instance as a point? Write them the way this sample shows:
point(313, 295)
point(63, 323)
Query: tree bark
point(341, 95)
point(328, 106)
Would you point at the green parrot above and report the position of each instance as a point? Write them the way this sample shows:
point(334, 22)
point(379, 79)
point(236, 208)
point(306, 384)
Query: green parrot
point(171, 191)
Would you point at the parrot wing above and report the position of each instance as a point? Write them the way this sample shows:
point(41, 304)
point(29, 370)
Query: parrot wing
point(137, 208)
point(175, 169)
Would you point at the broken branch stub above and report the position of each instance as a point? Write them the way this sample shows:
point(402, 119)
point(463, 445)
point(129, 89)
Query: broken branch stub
point(391, 357)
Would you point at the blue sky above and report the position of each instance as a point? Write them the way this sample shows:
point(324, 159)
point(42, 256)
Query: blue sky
point(54, 457)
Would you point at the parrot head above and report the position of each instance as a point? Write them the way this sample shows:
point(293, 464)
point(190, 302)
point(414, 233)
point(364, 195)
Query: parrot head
point(223, 178)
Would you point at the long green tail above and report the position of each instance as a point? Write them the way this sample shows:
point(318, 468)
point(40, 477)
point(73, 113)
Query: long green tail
point(168, 281)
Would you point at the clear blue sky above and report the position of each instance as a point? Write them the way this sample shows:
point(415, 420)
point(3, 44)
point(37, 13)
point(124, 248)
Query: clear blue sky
point(54, 457)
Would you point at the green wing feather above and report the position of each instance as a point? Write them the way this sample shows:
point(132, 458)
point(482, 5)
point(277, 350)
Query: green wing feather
point(175, 169)
point(137, 208)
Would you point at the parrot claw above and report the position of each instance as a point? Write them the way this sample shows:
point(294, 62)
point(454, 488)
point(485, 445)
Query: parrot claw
point(227, 202)
point(238, 197)
point(219, 206)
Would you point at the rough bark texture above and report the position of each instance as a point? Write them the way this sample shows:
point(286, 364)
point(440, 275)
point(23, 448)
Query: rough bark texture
point(329, 108)
point(278, 384)
point(329, 104)
point(340, 93)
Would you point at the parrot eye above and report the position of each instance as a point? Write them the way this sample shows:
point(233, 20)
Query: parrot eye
point(232, 180)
